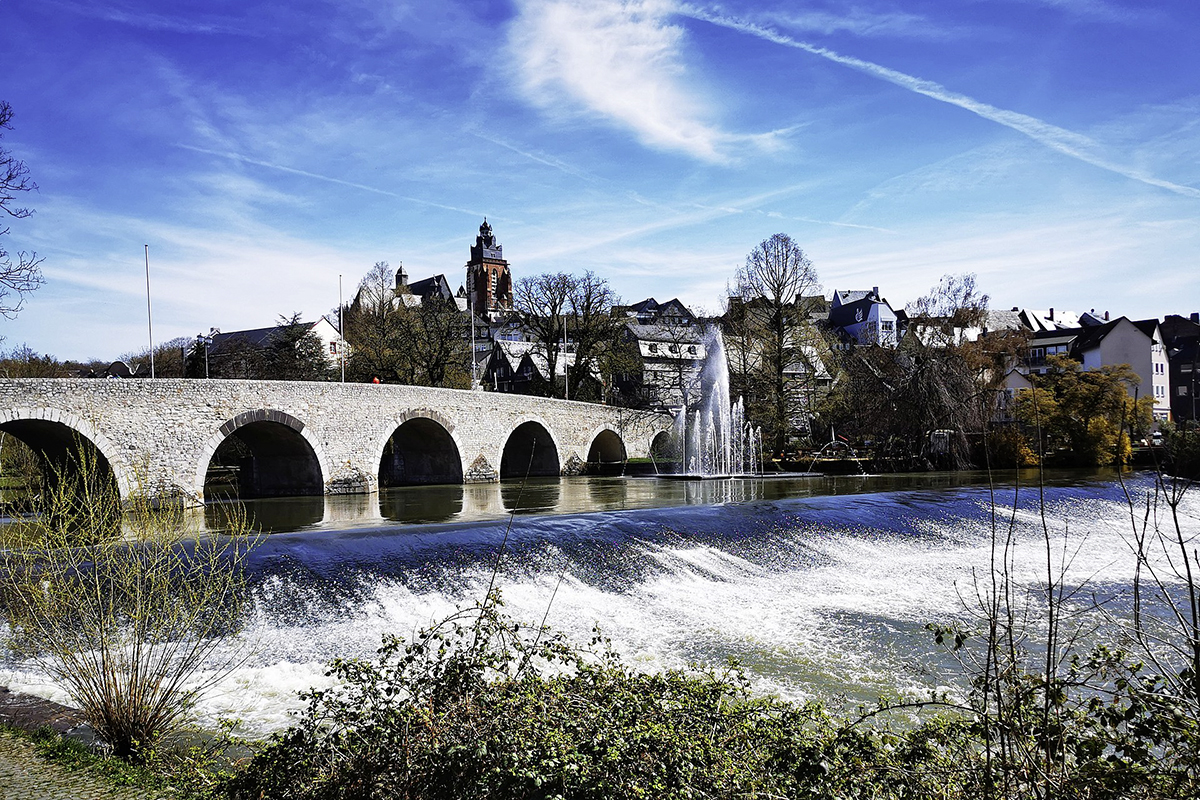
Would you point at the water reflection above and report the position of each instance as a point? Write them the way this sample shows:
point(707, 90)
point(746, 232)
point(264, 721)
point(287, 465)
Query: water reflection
point(535, 495)
point(489, 501)
point(421, 503)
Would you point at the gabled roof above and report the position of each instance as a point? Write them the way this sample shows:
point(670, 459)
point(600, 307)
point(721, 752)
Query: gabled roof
point(1036, 320)
point(1088, 337)
point(843, 296)
point(1002, 321)
point(1176, 328)
point(436, 285)
point(664, 333)
point(848, 313)
point(653, 309)
point(1149, 327)
point(255, 337)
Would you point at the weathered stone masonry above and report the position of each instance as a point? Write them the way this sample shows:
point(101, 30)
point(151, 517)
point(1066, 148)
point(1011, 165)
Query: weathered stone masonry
point(159, 435)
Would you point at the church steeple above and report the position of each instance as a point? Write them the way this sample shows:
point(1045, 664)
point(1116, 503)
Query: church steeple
point(489, 283)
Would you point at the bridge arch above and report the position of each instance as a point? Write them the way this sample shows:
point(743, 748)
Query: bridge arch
point(530, 449)
point(607, 452)
point(419, 447)
point(285, 458)
point(661, 447)
point(54, 434)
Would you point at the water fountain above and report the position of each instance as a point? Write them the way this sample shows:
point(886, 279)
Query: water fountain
point(835, 445)
point(711, 436)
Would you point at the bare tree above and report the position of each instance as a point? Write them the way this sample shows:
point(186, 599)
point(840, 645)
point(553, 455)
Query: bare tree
point(23, 275)
point(943, 376)
point(774, 289)
point(592, 327)
point(540, 303)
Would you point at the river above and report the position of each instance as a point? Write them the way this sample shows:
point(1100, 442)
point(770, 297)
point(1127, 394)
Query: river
point(821, 587)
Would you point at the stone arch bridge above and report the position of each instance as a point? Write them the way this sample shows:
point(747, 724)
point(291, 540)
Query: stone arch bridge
point(159, 436)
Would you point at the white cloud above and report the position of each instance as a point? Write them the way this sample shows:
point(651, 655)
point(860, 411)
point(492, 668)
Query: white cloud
point(621, 60)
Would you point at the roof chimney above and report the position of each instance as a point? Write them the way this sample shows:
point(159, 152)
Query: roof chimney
point(1195, 317)
point(1052, 315)
point(1106, 316)
point(875, 291)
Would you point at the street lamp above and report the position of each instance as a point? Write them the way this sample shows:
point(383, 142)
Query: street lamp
point(201, 339)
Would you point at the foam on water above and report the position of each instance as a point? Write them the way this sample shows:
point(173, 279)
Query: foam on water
point(817, 596)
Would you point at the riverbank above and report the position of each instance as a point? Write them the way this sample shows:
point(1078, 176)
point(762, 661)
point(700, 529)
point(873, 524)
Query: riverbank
point(45, 755)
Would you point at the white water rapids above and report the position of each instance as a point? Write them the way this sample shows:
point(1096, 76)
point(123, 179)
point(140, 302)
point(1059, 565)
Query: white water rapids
point(816, 596)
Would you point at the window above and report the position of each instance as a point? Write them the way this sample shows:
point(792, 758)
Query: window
point(674, 348)
point(692, 350)
point(653, 348)
point(333, 348)
point(886, 325)
point(1183, 391)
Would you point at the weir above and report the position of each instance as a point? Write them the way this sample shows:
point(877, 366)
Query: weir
point(169, 438)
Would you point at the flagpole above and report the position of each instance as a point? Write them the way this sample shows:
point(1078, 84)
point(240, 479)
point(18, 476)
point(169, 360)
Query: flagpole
point(149, 316)
point(341, 334)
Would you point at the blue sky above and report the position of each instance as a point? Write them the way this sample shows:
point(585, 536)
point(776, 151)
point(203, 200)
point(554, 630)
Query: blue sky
point(261, 149)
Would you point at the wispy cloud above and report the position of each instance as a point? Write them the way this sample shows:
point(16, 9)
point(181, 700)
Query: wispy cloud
point(830, 222)
point(673, 220)
point(859, 22)
point(1097, 10)
point(540, 158)
point(622, 61)
point(329, 179)
point(1067, 142)
point(114, 12)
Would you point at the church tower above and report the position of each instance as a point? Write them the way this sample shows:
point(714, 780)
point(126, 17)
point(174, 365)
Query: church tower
point(489, 283)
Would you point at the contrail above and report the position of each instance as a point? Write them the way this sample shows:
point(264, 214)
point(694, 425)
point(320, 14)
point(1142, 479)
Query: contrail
point(326, 178)
point(1059, 139)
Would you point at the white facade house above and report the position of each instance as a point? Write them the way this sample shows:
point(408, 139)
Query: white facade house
point(864, 318)
point(1121, 341)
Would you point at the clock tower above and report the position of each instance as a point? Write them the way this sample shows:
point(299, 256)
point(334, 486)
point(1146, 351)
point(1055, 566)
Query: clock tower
point(489, 283)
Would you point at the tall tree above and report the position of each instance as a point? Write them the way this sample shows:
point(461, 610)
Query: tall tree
point(375, 331)
point(295, 353)
point(439, 337)
point(22, 276)
point(593, 329)
point(775, 290)
point(1085, 415)
point(578, 307)
point(541, 303)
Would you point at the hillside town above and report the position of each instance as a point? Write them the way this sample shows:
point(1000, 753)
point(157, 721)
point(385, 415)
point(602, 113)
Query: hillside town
point(915, 385)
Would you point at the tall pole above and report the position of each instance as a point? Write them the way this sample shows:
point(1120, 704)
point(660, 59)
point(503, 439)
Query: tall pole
point(341, 335)
point(149, 317)
point(566, 375)
point(474, 368)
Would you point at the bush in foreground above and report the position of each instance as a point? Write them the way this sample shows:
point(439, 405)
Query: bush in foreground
point(123, 604)
point(480, 707)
